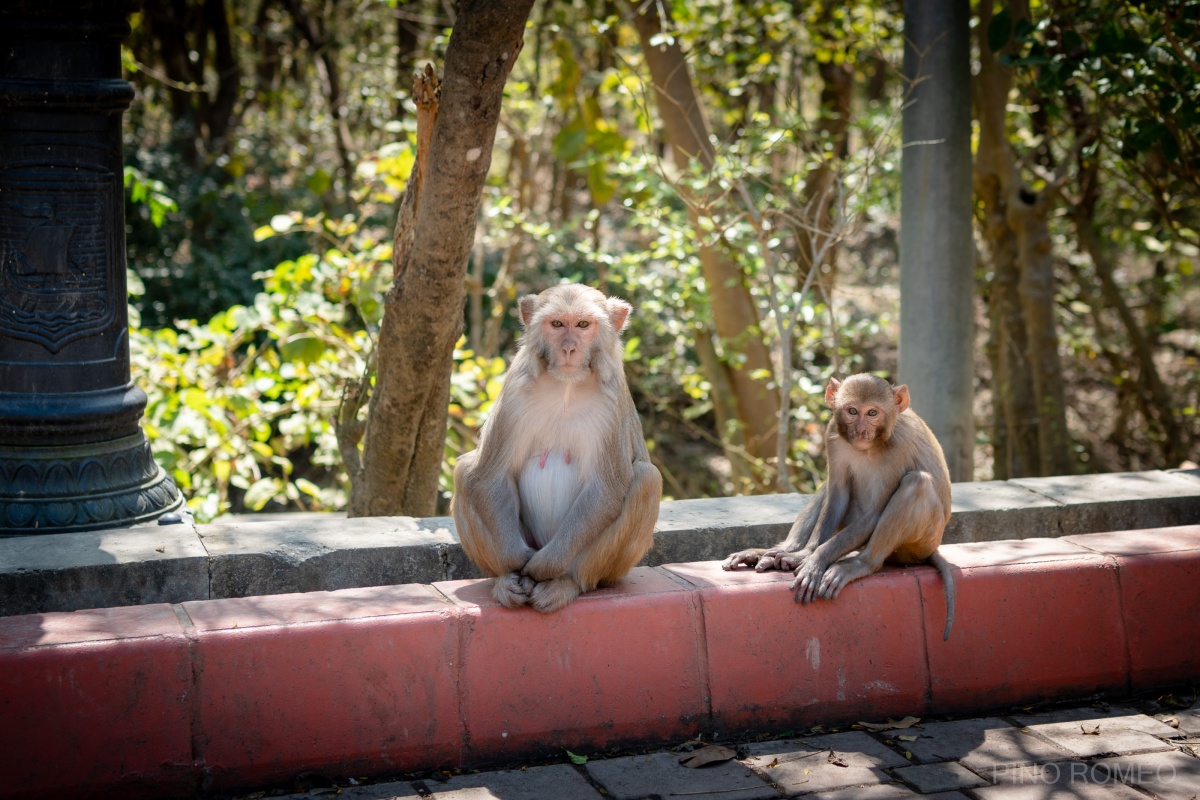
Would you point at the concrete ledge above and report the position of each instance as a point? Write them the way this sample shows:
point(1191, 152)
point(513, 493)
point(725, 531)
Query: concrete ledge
point(235, 694)
point(263, 554)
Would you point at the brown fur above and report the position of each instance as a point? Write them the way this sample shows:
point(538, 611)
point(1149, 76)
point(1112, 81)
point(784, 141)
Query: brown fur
point(887, 496)
point(561, 496)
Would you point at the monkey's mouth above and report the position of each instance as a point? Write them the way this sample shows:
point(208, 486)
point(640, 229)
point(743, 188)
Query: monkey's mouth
point(571, 373)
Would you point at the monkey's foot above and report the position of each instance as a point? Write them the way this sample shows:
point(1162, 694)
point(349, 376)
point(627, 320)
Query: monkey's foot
point(808, 579)
point(749, 558)
point(552, 595)
point(782, 560)
point(513, 590)
point(840, 574)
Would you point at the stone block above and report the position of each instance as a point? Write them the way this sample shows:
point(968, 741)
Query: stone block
point(979, 743)
point(943, 777)
point(712, 528)
point(283, 553)
point(823, 763)
point(661, 774)
point(1035, 619)
point(986, 511)
point(1160, 597)
point(773, 663)
point(98, 569)
point(1166, 776)
point(622, 664)
point(533, 783)
point(1119, 501)
point(1088, 732)
point(96, 703)
point(342, 683)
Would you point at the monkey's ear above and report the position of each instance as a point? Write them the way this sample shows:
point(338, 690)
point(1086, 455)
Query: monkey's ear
point(527, 305)
point(902, 399)
point(831, 391)
point(618, 312)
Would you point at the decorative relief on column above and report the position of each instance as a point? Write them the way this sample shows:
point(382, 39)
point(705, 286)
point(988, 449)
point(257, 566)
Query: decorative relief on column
point(55, 248)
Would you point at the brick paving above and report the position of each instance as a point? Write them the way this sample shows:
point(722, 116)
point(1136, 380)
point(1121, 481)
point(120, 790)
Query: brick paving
point(1093, 752)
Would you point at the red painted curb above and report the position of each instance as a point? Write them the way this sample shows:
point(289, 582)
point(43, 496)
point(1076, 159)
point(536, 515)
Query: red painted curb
point(774, 664)
point(95, 703)
point(1160, 599)
point(342, 683)
point(1035, 619)
point(155, 701)
point(622, 665)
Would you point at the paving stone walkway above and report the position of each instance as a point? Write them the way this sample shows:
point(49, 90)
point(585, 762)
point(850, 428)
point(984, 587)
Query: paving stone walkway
point(1142, 749)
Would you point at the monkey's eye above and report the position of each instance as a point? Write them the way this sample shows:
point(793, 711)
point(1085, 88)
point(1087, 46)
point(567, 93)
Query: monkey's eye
point(583, 323)
point(556, 323)
point(872, 413)
point(852, 412)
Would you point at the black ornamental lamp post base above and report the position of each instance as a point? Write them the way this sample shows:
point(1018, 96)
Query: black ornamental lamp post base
point(72, 452)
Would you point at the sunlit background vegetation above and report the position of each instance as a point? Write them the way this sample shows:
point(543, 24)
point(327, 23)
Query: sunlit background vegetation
point(271, 140)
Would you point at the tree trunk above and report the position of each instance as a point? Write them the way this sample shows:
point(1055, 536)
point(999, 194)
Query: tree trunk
point(814, 249)
point(405, 435)
point(322, 46)
point(686, 130)
point(1027, 380)
point(1027, 214)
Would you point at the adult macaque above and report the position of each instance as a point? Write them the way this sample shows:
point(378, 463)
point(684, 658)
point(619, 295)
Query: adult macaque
point(887, 496)
point(561, 496)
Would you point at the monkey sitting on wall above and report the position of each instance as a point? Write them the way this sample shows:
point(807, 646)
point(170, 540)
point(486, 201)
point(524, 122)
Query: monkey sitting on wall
point(561, 496)
point(887, 496)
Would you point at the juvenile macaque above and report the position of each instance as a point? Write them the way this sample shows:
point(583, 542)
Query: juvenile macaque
point(561, 496)
point(887, 496)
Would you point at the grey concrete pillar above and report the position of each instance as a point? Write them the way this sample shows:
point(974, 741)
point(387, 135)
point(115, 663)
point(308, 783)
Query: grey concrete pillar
point(937, 254)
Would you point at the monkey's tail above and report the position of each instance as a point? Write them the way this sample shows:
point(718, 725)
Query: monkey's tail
point(943, 568)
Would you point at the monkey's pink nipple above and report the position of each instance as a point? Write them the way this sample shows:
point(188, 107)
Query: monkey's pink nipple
point(542, 462)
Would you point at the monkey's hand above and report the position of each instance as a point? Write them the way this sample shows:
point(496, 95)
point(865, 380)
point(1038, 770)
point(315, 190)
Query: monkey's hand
point(782, 559)
point(839, 574)
point(749, 558)
point(553, 595)
point(545, 565)
point(808, 579)
point(513, 590)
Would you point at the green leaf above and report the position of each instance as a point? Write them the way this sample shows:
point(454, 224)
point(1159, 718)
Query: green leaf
point(195, 399)
point(1000, 30)
point(260, 493)
point(302, 349)
point(319, 182)
point(581, 760)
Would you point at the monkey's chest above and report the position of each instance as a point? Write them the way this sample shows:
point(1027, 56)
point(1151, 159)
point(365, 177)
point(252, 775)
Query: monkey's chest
point(548, 486)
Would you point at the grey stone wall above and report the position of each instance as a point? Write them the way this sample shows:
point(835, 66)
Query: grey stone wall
point(259, 554)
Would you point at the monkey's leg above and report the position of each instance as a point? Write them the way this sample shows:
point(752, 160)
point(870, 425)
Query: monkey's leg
point(814, 568)
point(616, 551)
point(912, 512)
point(497, 548)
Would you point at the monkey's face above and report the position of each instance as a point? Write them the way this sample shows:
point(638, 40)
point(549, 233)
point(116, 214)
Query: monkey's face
point(568, 339)
point(863, 424)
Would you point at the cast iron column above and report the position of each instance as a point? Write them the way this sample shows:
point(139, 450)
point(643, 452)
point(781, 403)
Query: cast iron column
point(72, 452)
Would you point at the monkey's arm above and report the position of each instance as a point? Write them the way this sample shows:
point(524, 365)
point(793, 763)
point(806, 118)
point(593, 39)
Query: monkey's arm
point(852, 537)
point(486, 506)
